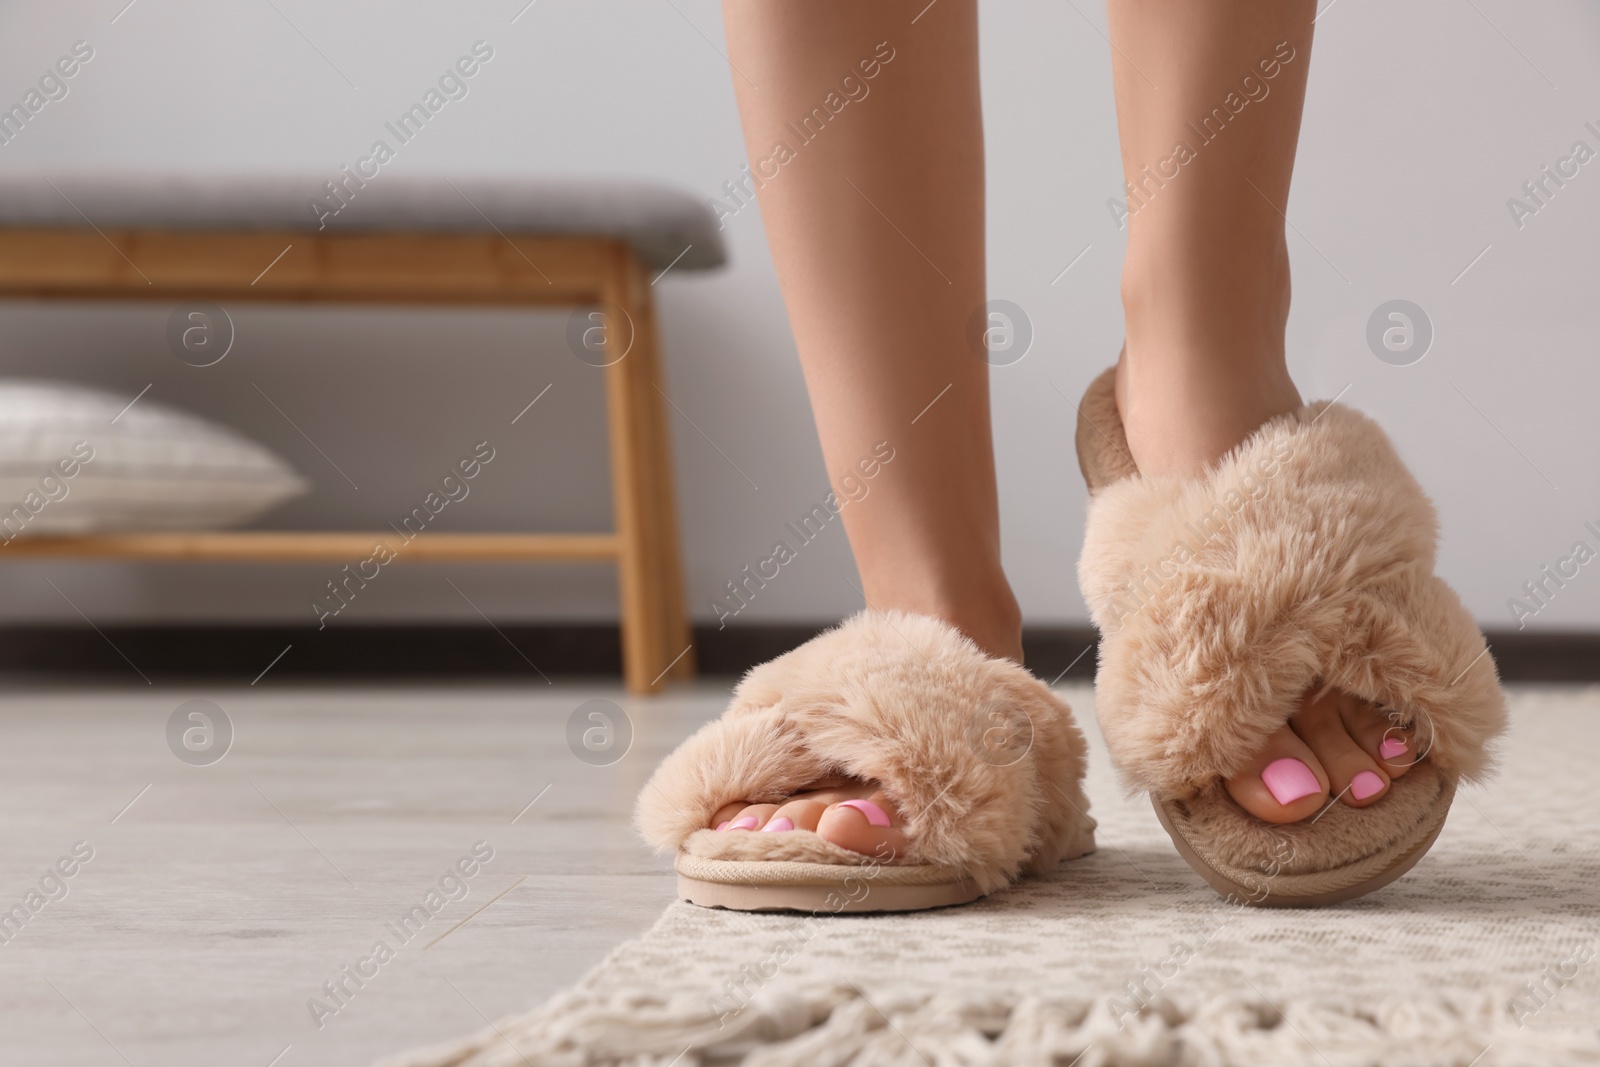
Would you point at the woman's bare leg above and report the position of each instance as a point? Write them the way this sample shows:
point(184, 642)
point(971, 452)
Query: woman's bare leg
point(1206, 283)
point(877, 230)
point(1206, 299)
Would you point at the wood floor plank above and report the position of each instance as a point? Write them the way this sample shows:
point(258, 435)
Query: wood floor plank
point(222, 897)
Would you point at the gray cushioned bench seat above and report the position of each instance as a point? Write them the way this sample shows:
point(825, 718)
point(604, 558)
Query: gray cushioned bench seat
point(660, 223)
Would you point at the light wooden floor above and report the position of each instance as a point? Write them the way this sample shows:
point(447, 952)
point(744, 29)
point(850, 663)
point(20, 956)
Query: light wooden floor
point(225, 896)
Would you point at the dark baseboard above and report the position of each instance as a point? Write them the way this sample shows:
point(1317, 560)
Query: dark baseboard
point(509, 653)
point(1549, 656)
point(179, 653)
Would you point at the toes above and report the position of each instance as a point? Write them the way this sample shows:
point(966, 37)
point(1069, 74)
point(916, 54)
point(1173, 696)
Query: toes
point(742, 816)
point(1284, 783)
point(1353, 775)
point(800, 814)
point(866, 825)
point(727, 813)
point(1335, 744)
point(1394, 748)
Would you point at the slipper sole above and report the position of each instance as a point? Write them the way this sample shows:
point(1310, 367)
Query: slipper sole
point(820, 888)
point(1309, 890)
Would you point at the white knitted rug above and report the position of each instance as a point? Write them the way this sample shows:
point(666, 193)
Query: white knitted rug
point(1486, 954)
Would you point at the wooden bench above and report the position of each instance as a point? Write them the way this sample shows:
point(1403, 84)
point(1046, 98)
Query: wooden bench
point(394, 239)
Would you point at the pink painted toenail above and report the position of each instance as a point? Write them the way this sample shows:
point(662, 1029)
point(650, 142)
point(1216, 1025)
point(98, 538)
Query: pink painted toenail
point(1289, 780)
point(1392, 747)
point(723, 825)
point(875, 815)
point(1365, 784)
point(747, 822)
point(778, 825)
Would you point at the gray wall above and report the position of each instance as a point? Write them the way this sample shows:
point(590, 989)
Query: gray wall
point(1423, 119)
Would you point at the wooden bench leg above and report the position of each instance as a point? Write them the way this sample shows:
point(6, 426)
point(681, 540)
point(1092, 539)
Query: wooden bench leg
point(655, 630)
point(668, 563)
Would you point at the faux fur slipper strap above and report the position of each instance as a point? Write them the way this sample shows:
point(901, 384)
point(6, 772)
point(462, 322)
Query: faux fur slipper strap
point(983, 762)
point(1303, 557)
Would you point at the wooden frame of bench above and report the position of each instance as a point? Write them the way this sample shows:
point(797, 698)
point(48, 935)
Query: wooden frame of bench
point(411, 268)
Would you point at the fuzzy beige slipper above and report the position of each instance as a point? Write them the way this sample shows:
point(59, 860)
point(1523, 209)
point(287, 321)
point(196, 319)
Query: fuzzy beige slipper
point(983, 762)
point(1304, 557)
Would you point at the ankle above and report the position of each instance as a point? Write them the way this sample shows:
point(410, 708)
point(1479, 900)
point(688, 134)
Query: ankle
point(1203, 365)
point(997, 630)
point(988, 613)
point(1183, 410)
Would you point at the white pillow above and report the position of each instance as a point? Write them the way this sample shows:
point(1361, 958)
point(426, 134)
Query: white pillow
point(67, 468)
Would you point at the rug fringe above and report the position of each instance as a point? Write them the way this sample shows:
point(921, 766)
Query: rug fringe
point(843, 1027)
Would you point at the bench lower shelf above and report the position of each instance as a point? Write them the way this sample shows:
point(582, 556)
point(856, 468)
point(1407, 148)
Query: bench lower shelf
point(272, 546)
